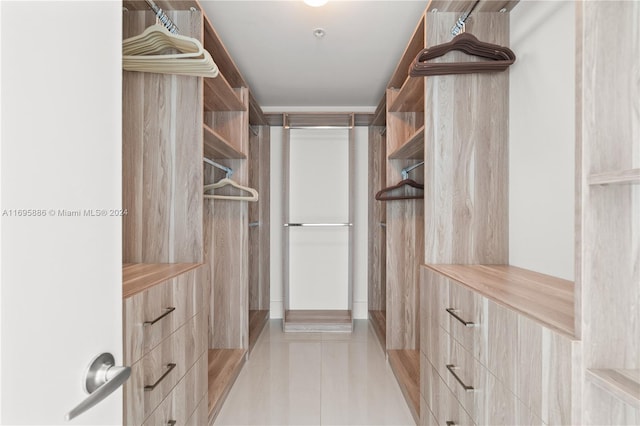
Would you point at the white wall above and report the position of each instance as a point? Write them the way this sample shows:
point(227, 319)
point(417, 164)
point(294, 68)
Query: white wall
point(542, 137)
point(359, 224)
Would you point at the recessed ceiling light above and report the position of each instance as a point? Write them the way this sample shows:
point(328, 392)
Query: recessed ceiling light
point(319, 32)
point(316, 3)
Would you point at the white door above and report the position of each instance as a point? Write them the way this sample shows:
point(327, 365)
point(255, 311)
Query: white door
point(61, 188)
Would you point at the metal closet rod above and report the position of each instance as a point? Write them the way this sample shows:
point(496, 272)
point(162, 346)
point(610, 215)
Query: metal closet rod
point(166, 21)
point(226, 169)
point(406, 170)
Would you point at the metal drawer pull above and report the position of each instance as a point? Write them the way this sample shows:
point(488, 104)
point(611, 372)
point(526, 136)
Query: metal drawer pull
point(153, 386)
point(451, 423)
point(452, 312)
point(451, 367)
point(171, 423)
point(168, 311)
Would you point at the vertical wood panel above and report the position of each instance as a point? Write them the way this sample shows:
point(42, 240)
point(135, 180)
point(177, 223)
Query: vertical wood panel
point(377, 217)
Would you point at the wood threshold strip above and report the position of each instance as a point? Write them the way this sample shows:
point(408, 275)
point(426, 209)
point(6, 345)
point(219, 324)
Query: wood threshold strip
point(412, 149)
point(224, 367)
point(620, 177)
point(405, 365)
point(622, 383)
point(543, 298)
point(137, 277)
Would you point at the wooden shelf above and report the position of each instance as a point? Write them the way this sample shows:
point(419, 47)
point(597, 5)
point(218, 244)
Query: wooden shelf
point(378, 320)
point(410, 97)
point(220, 96)
point(216, 146)
point(224, 61)
point(405, 365)
point(623, 384)
point(543, 298)
point(137, 277)
point(380, 115)
point(224, 367)
point(619, 177)
point(257, 320)
point(415, 45)
point(412, 149)
point(318, 320)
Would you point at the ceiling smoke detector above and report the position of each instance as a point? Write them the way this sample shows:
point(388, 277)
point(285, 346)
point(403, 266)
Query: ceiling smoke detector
point(319, 32)
point(316, 3)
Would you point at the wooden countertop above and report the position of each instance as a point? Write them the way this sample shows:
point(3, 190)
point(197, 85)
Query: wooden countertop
point(546, 299)
point(137, 277)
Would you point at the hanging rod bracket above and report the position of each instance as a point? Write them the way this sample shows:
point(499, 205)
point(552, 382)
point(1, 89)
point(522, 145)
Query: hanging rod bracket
point(227, 170)
point(459, 26)
point(162, 16)
point(406, 170)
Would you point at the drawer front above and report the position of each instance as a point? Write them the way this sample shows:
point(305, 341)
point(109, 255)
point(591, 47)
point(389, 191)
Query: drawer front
point(200, 416)
point(434, 295)
point(151, 316)
point(441, 402)
point(603, 408)
point(156, 374)
point(466, 319)
point(182, 402)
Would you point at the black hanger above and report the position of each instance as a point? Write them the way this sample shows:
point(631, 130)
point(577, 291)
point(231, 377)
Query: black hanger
point(382, 194)
point(497, 58)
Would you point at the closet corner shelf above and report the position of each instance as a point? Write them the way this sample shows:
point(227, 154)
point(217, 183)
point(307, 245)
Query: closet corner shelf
point(620, 177)
point(410, 96)
point(412, 149)
point(220, 96)
point(224, 367)
point(623, 383)
point(137, 277)
point(405, 365)
point(216, 146)
point(545, 299)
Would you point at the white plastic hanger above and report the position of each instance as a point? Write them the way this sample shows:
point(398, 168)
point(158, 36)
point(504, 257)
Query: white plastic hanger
point(226, 181)
point(154, 51)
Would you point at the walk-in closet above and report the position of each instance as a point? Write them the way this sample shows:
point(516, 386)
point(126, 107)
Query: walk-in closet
point(320, 212)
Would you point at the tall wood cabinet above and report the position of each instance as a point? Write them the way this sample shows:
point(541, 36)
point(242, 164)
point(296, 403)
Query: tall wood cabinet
point(194, 291)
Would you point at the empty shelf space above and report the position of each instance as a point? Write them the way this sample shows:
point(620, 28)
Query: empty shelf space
point(405, 365)
point(137, 277)
point(412, 149)
point(219, 96)
point(318, 320)
point(620, 177)
point(257, 320)
point(216, 146)
point(410, 97)
point(224, 367)
point(624, 384)
point(378, 320)
point(543, 298)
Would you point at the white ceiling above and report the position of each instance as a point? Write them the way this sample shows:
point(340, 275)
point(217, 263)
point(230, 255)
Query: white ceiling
point(288, 69)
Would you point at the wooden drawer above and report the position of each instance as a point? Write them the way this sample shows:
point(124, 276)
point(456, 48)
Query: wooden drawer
point(440, 401)
point(163, 367)
point(200, 416)
point(434, 295)
point(170, 304)
point(182, 402)
point(466, 319)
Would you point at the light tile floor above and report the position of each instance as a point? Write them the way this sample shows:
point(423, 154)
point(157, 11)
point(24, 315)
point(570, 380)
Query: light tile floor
point(316, 379)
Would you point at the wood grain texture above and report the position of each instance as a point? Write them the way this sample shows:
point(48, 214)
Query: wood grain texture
point(184, 293)
point(620, 177)
point(410, 96)
point(405, 365)
point(404, 239)
point(604, 408)
point(183, 348)
point(162, 145)
point(376, 215)
point(256, 115)
point(138, 277)
point(216, 146)
point(380, 114)
point(183, 400)
point(200, 416)
point(414, 46)
point(226, 232)
point(257, 321)
point(224, 367)
point(547, 300)
point(220, 96)
point(378, 320)
point(466, 157)
point(623, 384)
point(412, 148)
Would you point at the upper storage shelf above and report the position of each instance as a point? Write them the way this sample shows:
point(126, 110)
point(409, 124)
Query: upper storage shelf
point(410, 97)
point(412, 149)
point(416, 44)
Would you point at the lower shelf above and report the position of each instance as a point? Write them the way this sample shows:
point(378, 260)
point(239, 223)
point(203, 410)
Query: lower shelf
point(257, 321)
point(378, 320)
point(318, 321)
point(405, 365)
point(623, 384)
point(224, 367)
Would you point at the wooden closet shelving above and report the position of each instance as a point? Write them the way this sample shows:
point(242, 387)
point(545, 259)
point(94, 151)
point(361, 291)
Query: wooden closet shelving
point(406, 367)
point(220, 96)
point(224, 367)
point(137, 277)
point(217, 146)
point(618, 177)
point(412, 148)
point(624, 384)
point(410, 96)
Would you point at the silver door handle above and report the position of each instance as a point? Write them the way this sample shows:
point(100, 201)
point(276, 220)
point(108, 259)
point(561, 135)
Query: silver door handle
point(101, 379)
